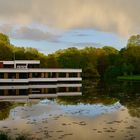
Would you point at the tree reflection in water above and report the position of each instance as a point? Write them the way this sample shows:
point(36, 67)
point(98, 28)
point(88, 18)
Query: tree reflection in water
point(91, 94)
point(5, 108)
point(95, 92)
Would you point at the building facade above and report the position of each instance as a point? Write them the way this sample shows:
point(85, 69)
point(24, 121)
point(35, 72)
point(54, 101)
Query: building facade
point(23, 77)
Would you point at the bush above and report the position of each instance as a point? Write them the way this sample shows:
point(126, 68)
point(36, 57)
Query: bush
point(21, 137)
point(4, 136)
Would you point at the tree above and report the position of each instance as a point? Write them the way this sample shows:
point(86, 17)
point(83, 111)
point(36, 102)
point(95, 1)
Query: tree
point(132, 56)
point(4, 38)
point(110, 50)
point(6, 52)
point(19, 53)
point(51, 61)
point(127, 69)
point(88, 56)
point(112, 72)
point(90, 72)
point(69, 58)
point(134, 41)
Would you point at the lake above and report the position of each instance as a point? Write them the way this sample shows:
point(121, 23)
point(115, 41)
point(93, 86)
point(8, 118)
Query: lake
point(104, 111)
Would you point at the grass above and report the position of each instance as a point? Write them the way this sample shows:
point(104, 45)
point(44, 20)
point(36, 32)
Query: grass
point(129, 78)
point(4, 136)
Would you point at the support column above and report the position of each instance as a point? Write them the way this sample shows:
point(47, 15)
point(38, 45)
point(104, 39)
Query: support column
point(17, 75)
point(67, 89)
point(42, 90)
point(5, 91)
point(17, 91)
point(42, 75)
point(78, 74)
point(30, 75)
point(45, 90)
point(67, 75)
point(26, 66)
point(57, 75)
point(30, 91)
point(46, 75)
point(5, 75)
point(78, 89)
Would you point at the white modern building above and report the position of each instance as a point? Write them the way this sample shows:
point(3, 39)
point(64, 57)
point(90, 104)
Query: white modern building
point(28, 71)
point(24, 77)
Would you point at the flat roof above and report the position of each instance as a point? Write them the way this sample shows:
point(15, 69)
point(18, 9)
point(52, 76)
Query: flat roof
point(11, 70)
point(21, 62)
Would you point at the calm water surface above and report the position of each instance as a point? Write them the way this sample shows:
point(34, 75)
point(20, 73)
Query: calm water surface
point(103, 112)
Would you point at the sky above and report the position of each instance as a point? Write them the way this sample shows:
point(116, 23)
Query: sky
point(50, 25)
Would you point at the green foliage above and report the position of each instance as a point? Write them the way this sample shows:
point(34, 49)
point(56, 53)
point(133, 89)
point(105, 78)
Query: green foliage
point(134, 41)
point(6, 52)
point(51, 61)
point(5, 108)
point(4, 136)
point(127, 69)
point(4, 38)
point(95, 62)
point(69, 58)
point(90, 95)
point(90, 72)
point(132, 78)
point(132, 56)
point(22, 137)
point(110, 50)
point(112, 72)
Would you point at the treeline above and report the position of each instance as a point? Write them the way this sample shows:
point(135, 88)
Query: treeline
point(106, 62)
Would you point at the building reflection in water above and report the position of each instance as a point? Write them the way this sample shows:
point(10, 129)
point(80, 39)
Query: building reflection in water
point(39, 90)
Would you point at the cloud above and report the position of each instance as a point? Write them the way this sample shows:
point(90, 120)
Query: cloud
point(33, 34)
point(119, 16)
point(6, 29)
point(27, 33)
point(82, 34)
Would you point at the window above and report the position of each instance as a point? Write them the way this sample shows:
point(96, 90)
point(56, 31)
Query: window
point(12, 92)
point(23, 75)
point(23, 91)
point(73, 89)
point(33, 65)
point(62, 74)
point(62, 89)
point(73, 74)
point(52, 90)
point(36, 75)
point(8, 66)
point(51, 75)
point(1, 92)
point(1, 75)
point(12, 75)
